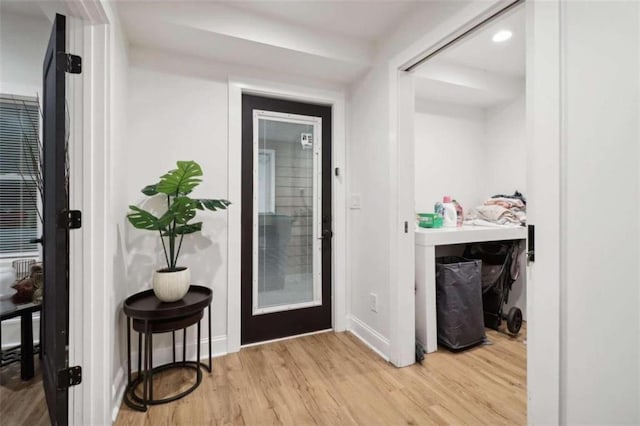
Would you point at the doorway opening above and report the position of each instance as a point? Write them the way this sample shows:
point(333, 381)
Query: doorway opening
point(36, 217)
point(286, 219)
point(470, 154)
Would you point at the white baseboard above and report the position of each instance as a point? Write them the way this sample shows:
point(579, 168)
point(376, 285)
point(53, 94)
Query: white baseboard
point(161, 356)
point(117, 393)
point(11, 331)
point(370, 337)
point(219, 346)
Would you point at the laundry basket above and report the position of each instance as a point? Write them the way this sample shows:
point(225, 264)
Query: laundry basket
point(459, 302)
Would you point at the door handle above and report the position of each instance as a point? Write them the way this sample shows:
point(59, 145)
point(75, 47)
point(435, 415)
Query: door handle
point(326, 233)
point(531, 243)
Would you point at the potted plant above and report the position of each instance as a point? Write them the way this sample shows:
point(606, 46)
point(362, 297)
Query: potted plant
point(172, 283)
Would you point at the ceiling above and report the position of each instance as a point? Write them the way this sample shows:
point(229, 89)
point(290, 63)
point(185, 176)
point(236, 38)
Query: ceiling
point(328, 40)
point(23, 8)
point(479, 51)
point(334, 41)
point(476, 71)
point(364, 20)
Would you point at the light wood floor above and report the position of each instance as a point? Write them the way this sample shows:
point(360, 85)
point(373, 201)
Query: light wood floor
point(333, 378)
point(22, 403)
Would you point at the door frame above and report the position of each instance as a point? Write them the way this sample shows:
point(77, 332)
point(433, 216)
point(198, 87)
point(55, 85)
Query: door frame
point(237, 87)
point(545, 147)
point(89, 29)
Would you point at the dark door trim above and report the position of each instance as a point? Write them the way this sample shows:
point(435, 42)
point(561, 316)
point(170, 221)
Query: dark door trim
point(283, 324)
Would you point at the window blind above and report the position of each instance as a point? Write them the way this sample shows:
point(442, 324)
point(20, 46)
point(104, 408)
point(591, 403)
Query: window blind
point(19, 195)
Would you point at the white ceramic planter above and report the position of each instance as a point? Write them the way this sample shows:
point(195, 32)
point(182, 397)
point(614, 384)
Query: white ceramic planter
point(171, 286)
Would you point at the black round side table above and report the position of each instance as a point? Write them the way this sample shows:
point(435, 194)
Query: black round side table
point(151, 316)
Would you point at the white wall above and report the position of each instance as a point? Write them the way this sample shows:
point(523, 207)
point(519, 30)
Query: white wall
point(600, 353)
point(23, 40)
point(371, 158)
point(118, 179)
point(505, 148)
point(414, 26)
point(177, 117)
point(450, 154)
point(368, 252)
point(177, 109)
point(469, 153)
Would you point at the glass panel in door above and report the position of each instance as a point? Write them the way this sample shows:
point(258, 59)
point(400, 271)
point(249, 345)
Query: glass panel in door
point(287, 180)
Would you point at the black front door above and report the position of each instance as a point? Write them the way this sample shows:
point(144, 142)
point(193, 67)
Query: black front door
point(286, 218)
point(55, 304)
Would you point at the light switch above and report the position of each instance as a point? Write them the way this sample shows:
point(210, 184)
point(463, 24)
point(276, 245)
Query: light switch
point(356, 201)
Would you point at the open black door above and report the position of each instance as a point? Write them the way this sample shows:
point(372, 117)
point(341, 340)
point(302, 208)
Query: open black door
point(57, 376)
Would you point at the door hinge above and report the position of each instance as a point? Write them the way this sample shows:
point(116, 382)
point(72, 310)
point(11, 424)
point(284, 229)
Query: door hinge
point(71, 219)
point(69, 377)
point(70, 63)
point(75, 219)
point(531, 243)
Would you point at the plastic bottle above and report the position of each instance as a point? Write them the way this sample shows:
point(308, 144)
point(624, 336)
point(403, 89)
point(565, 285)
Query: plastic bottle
point(459, 213)
point(450, 216)
point(438, 208)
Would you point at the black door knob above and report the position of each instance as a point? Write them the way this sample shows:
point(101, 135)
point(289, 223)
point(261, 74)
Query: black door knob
point(326, 233)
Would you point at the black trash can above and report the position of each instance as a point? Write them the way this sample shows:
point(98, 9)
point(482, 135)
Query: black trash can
point(459, 302)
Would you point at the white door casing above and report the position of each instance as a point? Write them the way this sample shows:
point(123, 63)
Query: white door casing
point(543, 99)
point(89, 329)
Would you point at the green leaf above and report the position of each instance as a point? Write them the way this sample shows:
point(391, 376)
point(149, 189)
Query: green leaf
point(182, 180)
point(188, 228)
point(142, 219)
point(183, 209)
point(209, 204)
point(150, 190)
point(166, 219)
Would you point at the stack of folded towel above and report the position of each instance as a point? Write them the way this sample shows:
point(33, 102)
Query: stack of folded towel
point(499, 210)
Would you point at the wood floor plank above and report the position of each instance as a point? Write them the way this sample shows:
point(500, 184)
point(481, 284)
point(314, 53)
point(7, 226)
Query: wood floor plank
point(22, 402)
point(324, 379)
point(334, 379)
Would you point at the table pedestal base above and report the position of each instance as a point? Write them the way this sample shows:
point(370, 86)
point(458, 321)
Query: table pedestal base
point(137, 402)
point(151, 316)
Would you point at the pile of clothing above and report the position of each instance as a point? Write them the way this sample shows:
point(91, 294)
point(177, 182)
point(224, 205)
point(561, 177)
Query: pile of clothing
point(499, 211)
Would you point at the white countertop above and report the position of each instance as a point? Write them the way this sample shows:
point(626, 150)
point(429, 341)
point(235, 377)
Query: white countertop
point(467, 234)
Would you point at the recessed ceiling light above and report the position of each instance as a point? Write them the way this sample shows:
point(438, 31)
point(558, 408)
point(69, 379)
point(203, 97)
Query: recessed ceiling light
point(502, 35)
